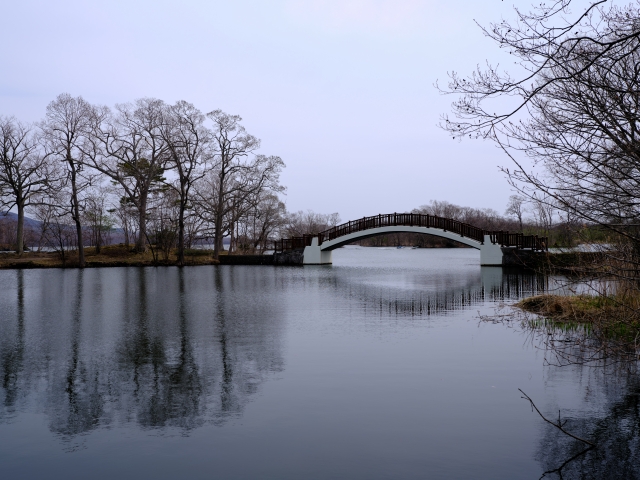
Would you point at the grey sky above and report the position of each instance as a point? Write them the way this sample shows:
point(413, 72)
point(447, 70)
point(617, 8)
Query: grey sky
point(342, 90)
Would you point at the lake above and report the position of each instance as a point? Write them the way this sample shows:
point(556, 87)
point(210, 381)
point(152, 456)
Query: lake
point(378, 367)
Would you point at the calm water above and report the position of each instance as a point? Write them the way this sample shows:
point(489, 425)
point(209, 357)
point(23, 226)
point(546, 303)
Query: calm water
point(374, 368)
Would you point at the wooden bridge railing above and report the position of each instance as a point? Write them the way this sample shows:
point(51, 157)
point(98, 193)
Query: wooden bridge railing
point(505, 239)
point(518, 240)
point(293, 243)
point(403, 219)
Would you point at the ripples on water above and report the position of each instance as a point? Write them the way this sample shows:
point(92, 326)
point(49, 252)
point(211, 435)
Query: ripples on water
point(375, 367)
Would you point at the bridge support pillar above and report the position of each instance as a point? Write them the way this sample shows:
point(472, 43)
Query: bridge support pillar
point(314, 256)
point(490, 253)
point(491, 278)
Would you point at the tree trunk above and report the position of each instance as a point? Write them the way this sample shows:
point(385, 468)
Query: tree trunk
point(181, 232)
point(97, 233)
point(76, 216)
point(20, 233)
point(125, 229)
point(218, 236)
point(142, 226)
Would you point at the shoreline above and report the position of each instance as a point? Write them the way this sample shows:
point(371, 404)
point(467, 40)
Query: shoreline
point(109, 256)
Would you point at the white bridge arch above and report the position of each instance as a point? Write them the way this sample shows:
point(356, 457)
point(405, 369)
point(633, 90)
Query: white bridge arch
point(490, 253)
point(317, 248)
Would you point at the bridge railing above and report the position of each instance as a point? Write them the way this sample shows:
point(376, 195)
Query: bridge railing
point(293, 243)
point(518, 240)
point(502, 238)
point(402, 219)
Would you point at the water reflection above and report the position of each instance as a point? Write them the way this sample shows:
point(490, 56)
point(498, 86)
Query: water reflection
point(437, 294)
point(145, 347)
point(612, 423)
point(178, 348)
point(158, 375)
point(12, 348)
point(168, 350)
point(76, 401)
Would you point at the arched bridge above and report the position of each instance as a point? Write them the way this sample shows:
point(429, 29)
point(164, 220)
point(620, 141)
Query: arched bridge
point(492, 244)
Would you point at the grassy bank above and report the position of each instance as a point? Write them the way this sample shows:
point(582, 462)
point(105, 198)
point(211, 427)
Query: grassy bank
point(110, 256)
point(606, 318)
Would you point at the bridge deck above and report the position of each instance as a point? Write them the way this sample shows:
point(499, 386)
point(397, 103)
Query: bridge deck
point(504, 239)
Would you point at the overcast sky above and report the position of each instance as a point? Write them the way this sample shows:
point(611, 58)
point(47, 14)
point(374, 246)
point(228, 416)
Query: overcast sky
point(342, 90)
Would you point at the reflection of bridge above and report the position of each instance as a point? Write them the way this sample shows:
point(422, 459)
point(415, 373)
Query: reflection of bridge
point(317, 248)
point(489, 284)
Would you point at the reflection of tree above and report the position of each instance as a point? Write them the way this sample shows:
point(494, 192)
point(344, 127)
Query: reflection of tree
point(12, 351)
point(170, 393)
point(81, 406)
point(141, 356)
point(141, 347)
point(162, 348)
point(226, 392)
point(182, 378)
point(616, 434)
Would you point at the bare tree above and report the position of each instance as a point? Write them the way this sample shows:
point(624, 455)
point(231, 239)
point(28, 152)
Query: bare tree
point(309, 222)
point(576, 114)
point(127, 219)
point(24, 170)
point(543, 213)
point(97, 218)
point(130, 148)
point(442, 208)
point(261, 223)
point(188, 144)
point(57, 229)
point(485, 218)
point(65, 128)
point(571, 128)
point(516, 208)
point(163, 223)
point(237, 175)
point(548, 45)
point(134, 146)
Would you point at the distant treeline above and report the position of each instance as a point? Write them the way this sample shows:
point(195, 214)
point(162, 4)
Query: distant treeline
point(521, 216)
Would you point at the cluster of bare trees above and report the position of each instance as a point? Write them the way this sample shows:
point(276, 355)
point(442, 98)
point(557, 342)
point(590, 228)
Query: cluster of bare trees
point(308, 223)
point(485, 218)
point(541, 217)
point(167, 175)
point(571, 122)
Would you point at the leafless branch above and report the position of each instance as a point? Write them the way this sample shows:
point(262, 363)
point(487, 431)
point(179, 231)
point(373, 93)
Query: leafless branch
point(559, 424)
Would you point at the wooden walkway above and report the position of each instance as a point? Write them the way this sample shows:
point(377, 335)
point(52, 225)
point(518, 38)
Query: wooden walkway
point(504, 239)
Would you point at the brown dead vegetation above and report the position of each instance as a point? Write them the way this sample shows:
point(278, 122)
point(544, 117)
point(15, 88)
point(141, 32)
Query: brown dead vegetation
point(110, 256)
point(587, 329)
point(578, 308)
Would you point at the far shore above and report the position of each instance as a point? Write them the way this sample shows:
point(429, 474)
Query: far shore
point(109, 256)
point(123, 256)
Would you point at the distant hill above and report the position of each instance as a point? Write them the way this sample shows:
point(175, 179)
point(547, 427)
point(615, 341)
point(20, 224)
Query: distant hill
point(117, 235)
point(13, 217)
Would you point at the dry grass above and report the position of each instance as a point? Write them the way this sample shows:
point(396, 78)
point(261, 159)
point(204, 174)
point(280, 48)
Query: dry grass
point(612, 320)
point(575, 309)
point(110, 256)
